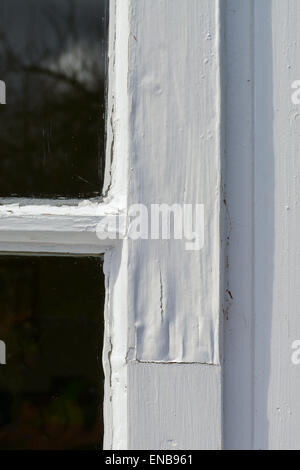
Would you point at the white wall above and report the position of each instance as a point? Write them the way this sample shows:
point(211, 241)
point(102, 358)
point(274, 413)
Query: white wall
point(262, 386)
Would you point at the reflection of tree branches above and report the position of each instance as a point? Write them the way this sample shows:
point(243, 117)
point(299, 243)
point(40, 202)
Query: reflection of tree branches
point(37, 69)
point(43, 56)
point(13, 64)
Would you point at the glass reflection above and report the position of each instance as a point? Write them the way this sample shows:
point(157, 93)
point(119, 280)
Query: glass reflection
point(51, 388)
point(53, 60)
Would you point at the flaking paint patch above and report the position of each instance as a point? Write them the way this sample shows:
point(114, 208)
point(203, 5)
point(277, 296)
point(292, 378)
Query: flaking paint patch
point(166, 154)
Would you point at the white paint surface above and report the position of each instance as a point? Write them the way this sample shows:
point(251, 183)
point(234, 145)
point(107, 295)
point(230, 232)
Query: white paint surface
point(262, 386)
point(238, 123)
point(174, 299)
point(174, 407)
point(277, 231)
point(51, 228)
point(116, 260)
point(174, 85)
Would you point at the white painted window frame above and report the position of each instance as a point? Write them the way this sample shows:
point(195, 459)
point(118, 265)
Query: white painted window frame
point(162, 350)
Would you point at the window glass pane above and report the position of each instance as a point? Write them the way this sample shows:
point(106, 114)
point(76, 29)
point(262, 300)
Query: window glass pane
point(53, 60)
point(51, 320)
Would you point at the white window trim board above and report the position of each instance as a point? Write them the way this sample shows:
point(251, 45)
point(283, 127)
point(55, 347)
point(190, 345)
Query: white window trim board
point(175, 296)
point(49, 228)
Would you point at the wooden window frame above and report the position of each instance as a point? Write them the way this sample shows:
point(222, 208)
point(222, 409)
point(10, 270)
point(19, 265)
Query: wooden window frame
point(163, 381)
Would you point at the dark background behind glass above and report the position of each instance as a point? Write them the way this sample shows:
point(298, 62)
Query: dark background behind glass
point(51, 319)
point(52, 129)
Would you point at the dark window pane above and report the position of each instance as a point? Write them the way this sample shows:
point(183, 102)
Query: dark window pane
point(52, 127)
point(51, 320)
